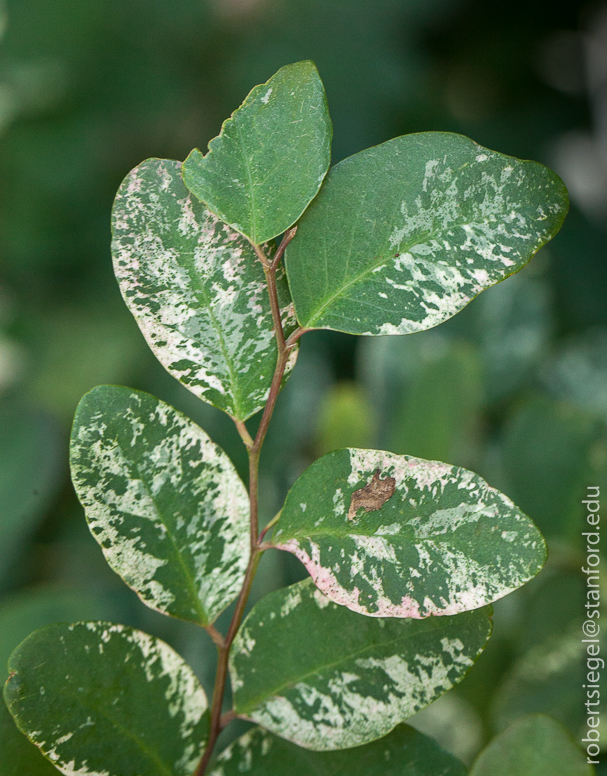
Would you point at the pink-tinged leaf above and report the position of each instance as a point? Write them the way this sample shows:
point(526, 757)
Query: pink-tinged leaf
point(394, 536)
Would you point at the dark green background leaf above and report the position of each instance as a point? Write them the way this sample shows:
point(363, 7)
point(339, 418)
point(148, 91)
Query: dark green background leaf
point(404, 752)
point(326, 678)
point(403, 235)
point(270, 159)
point(546, 451)
point(547, 679)
point(30, 467)
point(102, 698)
point(197, 290)
point(436, 416)
point(444, 541)
point(164, 502)
point(533, 746)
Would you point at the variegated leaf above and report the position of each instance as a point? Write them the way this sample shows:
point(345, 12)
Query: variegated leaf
point(270, 159)
point(164, 502)
point(404, 752)
point(396, 536)
point(534, 746)
point(197, 290)
point(326, 678)
point(405, 234)
point(106, 700)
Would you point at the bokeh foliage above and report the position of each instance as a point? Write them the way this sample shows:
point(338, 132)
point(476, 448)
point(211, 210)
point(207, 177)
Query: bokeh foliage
point(513, 387)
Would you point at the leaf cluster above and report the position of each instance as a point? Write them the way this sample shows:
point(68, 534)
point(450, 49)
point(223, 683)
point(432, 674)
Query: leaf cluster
point(226, 261)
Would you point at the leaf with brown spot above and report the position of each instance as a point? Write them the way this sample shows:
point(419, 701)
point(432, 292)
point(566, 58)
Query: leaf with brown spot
point(372, 496)
point(435, 539)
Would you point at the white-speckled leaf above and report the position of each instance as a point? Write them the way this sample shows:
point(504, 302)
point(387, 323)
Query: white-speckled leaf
point(326, 678)
point(197, 290)
point(270, 159)
point(403, 235)
point(395, 536)
point(163, 501)
point(404, 752)
point(106, 700)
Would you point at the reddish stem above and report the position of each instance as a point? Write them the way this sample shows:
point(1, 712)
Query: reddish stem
point(219, 721)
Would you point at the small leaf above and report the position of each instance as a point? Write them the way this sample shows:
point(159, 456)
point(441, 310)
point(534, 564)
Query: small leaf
point(533, 746)
point(395, 536)
point(325, 678)
point(405, 234)
point(105, 699)
point(164, 502)
point(404, 752)
point(546, 451)
point(197, 291)
point(270, 159)
point(437, 413)
point(547, 679)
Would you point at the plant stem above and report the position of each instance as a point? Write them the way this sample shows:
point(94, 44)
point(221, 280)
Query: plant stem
point(268, 527)
point(218, 722)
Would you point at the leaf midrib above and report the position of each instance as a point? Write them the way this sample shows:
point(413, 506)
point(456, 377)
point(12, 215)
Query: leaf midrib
point(247, 166)
point(201, 288)
point(401, 250)
point(368, 271)
point(186, 571)
point(290, 683)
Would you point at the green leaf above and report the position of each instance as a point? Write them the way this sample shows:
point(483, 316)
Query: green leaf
point(547, 679)
point(396, 536)
point(101, 698)
point(546, 450)
point(269, 161)
point(29, 475)
point(164, 502)
point(440, 408)
point(197, 291)
point(453, 722)
point(404, 752)
point(403, 235)
point(326, 678)
point(533, 746)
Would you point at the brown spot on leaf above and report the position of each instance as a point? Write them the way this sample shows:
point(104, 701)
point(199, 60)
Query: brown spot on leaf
point(373, 496)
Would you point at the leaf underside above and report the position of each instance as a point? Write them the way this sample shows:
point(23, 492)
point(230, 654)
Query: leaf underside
point(326, 678)
point(163, 501)
point(270, 159)
point(404, 752)
point(442, 542)
point(197, 290)
point(403, 235)
point(105, 699)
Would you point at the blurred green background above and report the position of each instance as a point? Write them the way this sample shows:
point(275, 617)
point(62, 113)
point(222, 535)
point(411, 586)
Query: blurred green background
point(514, 387)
